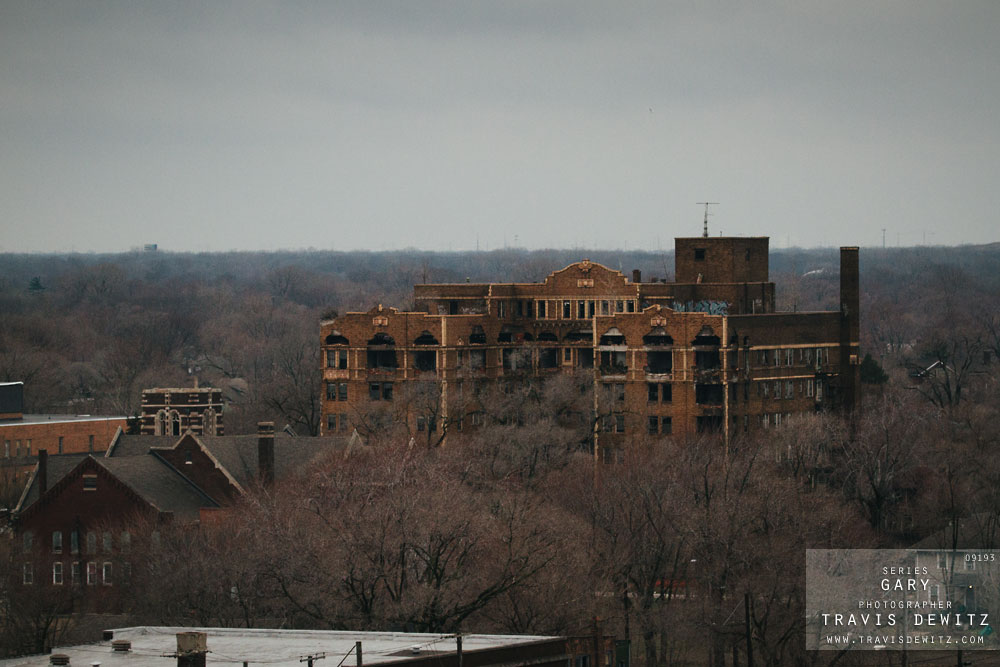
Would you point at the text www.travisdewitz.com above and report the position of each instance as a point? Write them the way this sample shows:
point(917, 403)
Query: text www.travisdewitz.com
point(898, 640)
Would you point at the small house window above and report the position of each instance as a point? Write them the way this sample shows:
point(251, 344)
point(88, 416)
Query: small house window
point(699, 254)
point(57, 574)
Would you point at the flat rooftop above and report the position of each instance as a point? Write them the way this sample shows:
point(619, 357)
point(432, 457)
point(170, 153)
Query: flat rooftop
point(55, 419)
point(153, 646)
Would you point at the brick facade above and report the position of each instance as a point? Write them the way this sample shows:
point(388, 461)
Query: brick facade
point(705, 354)
point(178, 410)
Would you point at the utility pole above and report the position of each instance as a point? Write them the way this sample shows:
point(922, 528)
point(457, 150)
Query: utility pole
point(706, 204)
point(357, 653)
point(883, 238)
point(746, 609)
point(458, 644)
point(309, 658)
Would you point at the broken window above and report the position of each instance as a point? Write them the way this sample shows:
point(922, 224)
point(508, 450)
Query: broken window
point(514, 359)
point(653, 390)
point(382, 352)
point(706, 350)
point(708, 394)
point(477, 336)
point(548, 357)
point(660, 362)
point(585, 357)
point(612, 337)
point(477, 359)
point(425, 360)
point(336, 338)
point(613, 363)
point(709, 424)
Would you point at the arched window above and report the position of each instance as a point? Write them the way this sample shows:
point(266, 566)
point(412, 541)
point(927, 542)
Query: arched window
point(336, 338)
point(425, 338)
point(477, 336)
point(657, 337)
point(613, 337)
point(175, 423)
point(547, 337)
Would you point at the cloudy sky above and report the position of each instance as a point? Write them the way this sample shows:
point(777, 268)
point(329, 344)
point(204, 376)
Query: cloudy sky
point(451, 125)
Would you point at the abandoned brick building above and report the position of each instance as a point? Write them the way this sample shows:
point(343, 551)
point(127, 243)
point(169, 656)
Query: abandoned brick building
point(706, 353)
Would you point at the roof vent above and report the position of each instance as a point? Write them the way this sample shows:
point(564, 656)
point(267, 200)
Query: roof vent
point(121, 646)
point(58, 659)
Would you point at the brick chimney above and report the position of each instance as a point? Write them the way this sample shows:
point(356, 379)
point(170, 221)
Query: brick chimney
point(43, 471)
point(850, 328)
point(265, 452)
point(191, 649)
point(636, 276)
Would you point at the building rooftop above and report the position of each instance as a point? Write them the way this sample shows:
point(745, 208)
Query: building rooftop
point(55, 419)
point(156, 646)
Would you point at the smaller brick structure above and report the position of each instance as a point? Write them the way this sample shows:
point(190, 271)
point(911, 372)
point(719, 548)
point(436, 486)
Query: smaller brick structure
point(173, 411)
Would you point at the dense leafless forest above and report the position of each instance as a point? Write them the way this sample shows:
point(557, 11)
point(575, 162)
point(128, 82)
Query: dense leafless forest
point(519, 531)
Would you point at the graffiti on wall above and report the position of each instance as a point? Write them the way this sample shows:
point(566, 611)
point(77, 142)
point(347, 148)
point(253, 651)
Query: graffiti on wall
point(703, 306)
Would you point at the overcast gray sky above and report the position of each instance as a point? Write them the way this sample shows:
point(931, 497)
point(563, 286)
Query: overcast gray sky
point(443, 125)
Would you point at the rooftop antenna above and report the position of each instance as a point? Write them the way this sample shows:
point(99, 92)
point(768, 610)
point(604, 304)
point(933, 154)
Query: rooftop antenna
point(706, 204)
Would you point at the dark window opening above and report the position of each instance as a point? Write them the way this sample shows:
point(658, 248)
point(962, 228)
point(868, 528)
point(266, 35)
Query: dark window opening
point(514, 360)
point(336, 338)
point(425, 360)
point(580, 336)
point(657, 337)
point(477, 359)
point(654, 392)
point(748, 254)
point(706, 359)
point(453, 307)
point(699, 254)
point(659, 362)
point(477, 336)
point(549, 357)
point(382, 359)
point(708, 394)
point(566, 310)
point(709, 424)
point(612, 337)
point(585, 357)
point(425, 338)
point(547, 337)
point(613, 363)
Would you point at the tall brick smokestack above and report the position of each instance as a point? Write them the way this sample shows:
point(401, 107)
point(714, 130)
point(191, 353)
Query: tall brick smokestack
point(850, 328)
point(636, 276)
point(43, 471)
point(265, 452)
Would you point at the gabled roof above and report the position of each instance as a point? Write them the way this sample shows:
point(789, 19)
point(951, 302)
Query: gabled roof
point(237, 454)
point(147, 477)
point(59, 466)
point(136, 462)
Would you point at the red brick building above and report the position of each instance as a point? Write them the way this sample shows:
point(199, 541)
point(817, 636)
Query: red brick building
point(72, 521)
point(706, 353)
point(22, 436)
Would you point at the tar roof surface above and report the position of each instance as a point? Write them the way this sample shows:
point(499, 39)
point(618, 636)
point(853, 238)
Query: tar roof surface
point(151, 646)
